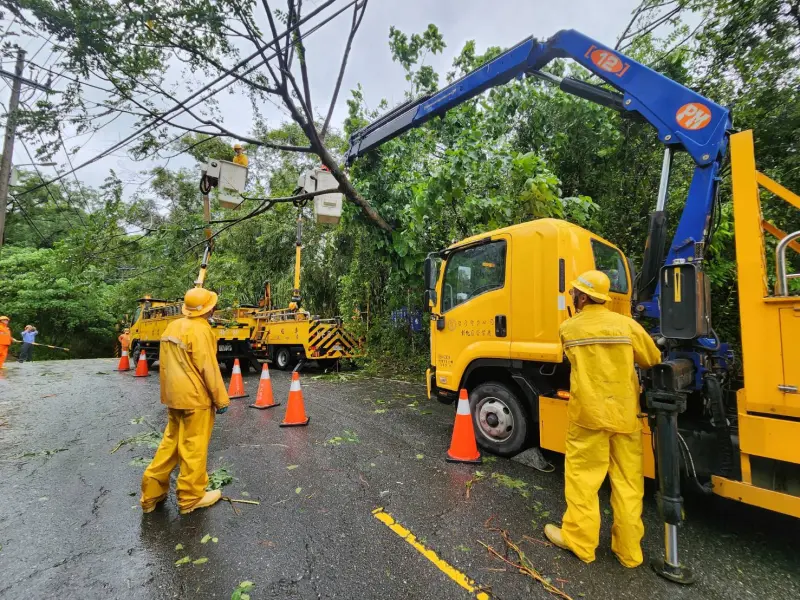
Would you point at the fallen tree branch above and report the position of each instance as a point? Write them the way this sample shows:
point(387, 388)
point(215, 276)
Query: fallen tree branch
point(523, 565)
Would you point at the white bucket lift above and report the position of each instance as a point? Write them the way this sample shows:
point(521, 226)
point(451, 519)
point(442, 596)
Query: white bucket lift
point(327, 207)
point(229, 179)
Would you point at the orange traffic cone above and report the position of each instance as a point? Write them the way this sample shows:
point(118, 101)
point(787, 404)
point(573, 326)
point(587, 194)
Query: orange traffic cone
point(463, 448)
point(264, 398)
point(236, 388)
point(141, 366)
point(295, 411)
point(124, 363)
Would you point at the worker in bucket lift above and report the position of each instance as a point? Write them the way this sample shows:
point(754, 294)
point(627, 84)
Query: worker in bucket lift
point(239, 156)
point(193, 390)
point(604, 434)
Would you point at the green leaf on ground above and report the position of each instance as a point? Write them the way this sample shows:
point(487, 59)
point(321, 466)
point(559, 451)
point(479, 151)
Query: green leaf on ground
point(292, 467)
point(137, 421)
point(215, 540)
point(241, 591)
point(298, 490)
point(178, 547)
point(218, 478)
point(426, 412)
point(183, 561)
point(146, 438)
point(206, 538)
point(420, 456)
point(139, 461)
point(463, 548)
point(246, 494)
point(200, 561)
point(379, 411)
point(516, 485)
point(348, 436)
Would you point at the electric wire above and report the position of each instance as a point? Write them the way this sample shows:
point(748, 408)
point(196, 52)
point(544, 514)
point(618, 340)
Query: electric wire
point(181, 106)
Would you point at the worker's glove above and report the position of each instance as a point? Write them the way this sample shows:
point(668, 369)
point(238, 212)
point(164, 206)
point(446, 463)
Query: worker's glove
point(661, 341)
point(222, 411)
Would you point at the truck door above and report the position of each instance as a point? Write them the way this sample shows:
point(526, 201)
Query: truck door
point(475, 302)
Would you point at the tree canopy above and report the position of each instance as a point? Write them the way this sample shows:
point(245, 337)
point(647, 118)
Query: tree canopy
point(75, 258)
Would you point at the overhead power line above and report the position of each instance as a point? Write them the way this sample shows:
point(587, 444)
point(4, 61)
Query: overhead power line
point(181, 107)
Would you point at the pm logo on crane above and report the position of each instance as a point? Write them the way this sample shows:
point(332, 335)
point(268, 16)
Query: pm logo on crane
point(693, 116)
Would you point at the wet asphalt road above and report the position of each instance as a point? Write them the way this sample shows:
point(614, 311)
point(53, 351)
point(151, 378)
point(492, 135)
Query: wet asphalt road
point(70, 526)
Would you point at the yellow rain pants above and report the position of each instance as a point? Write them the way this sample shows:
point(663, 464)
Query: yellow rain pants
point(590, 455)
point(604, 434)
point(185, 443)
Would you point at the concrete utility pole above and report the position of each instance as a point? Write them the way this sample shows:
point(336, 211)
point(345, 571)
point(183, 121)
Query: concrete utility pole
point(8, 142)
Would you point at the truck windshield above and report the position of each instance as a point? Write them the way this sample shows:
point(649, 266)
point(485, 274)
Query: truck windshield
point(610, 261)
point(136, 314)
point(473, 271)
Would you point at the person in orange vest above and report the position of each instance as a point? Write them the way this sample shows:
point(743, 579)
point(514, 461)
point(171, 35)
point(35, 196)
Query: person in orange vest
point(193, 391)
point(5, 339)
point(125, 339)
point(239, 156)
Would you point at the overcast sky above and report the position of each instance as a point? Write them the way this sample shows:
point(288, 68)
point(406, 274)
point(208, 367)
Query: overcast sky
point(489, 23)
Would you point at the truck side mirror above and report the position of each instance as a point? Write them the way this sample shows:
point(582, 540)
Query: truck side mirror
point(429, 299)
point(427, 267)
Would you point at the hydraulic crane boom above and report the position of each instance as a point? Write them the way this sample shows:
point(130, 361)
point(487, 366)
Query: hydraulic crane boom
point(684, 120)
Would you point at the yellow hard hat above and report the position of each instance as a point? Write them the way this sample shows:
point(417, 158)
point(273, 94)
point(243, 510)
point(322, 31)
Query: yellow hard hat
point(198, 301)
point(594, 284)
point(4, 318)
point(237, 146)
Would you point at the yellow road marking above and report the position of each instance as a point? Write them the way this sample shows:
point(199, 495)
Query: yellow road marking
point(453, 573)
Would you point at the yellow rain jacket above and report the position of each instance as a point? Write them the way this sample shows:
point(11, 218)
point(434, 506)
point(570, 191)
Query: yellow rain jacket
point(240, 159)
point(602, 346)
point(604, 435)
point(189, 371)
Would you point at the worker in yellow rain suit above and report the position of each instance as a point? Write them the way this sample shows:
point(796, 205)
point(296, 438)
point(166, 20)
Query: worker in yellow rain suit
point(604, 433)
point(5, 339)
point(239, 157)
point(191, 387)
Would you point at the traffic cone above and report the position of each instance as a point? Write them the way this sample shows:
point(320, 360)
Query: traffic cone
point(236, 388)
point(295, 411)
point(141, 366)
point(463, 448)
point(264, 398)
point(124, 363)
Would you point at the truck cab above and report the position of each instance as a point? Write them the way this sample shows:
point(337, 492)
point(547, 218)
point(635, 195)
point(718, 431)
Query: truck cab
point(497, 302)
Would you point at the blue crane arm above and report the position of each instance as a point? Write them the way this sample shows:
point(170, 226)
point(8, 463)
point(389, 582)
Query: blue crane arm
point(684, 119)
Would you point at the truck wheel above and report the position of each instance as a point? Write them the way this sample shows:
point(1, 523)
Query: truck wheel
point(501, 421)
point(283, 358)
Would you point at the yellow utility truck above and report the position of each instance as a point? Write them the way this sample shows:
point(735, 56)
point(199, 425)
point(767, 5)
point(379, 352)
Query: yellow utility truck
point(152, 316)
point(498, 299)
point(286, 336)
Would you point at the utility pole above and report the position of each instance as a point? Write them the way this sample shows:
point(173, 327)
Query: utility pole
point(8, 142)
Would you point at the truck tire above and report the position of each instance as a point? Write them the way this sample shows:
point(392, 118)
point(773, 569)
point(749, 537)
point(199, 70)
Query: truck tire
point(501, 421)
point(283, 358)
point(133, 353)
